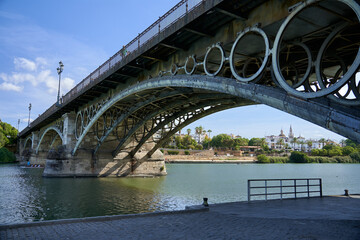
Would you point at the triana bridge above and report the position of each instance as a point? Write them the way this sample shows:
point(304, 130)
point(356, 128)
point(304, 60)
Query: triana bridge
point(201, 57)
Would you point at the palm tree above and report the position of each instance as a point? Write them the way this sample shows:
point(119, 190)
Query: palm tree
point(209, 131)
point(280, 142)
point(309, 143)
point(188, 131)
point(199, 131)
point(294, 141)
point(301, 142)
point(323, 141)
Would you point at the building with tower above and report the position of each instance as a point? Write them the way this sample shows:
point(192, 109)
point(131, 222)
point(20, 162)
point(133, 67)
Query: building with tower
point(281, 142)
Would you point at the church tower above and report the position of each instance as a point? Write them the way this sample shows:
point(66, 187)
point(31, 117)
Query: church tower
point(291, 134)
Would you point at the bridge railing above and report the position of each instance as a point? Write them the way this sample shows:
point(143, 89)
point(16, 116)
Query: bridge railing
point(177, 12)
point(265, 189)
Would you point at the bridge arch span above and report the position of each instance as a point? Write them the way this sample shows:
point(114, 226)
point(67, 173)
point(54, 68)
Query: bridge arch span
point(318, 111)
point(58, 134)
point(28, 142)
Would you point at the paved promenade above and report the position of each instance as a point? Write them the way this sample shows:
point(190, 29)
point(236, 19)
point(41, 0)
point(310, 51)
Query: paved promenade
point(315, 218)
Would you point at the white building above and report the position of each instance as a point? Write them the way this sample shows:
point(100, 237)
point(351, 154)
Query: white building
point(282, 142)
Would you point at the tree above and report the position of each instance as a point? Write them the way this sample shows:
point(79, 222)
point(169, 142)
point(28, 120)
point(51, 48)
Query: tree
point(299, 157)
point(238, 142)
point(199, 130)
point(8, 134)
point(206, 142)
point(188, 131)
point(209, 131)
point(309, 143)
point(222, 141)
point(280, 142)
point(262, 159)
point(294, 141)
point(322, 141)
point(347, 150)
point(256, 141)
point(301, 142)
point(351, 143)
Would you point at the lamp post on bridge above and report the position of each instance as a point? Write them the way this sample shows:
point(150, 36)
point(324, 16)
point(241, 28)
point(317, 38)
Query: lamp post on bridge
point(59, 71)
point(29, 113)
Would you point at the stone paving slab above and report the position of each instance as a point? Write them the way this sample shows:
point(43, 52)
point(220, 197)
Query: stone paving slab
point(315, 218)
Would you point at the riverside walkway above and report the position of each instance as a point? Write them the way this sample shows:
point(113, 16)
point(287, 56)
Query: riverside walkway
point(333, 217)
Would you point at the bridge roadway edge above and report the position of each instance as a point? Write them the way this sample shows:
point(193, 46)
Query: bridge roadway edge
point(330, 217)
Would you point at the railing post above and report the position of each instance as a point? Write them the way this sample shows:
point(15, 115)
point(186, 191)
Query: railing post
point(295, 187)
point(320, 181)
point(265, 190)
point(308, 190)
point(248, 190)
point(281, 189)
point(159, 24)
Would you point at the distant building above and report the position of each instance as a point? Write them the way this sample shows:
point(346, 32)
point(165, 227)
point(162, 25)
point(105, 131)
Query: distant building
point(281, 142)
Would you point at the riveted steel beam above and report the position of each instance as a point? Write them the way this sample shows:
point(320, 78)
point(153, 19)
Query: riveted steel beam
point(167, 108)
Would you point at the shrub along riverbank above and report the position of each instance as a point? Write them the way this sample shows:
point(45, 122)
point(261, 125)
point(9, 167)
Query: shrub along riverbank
point(6, 156)
point(299, 157)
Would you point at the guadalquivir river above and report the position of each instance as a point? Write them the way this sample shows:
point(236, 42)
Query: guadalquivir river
point(25, 196)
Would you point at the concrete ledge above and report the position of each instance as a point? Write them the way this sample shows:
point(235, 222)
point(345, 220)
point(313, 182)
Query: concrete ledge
point(103, 218)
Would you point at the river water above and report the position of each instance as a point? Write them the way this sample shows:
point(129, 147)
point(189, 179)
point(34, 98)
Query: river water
point(25, 196)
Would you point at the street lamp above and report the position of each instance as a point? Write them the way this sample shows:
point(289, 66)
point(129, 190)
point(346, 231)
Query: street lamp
point(18, 124)
point(59, 71)
point(29, 113)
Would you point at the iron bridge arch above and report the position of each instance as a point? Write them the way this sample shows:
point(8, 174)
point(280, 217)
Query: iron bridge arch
point(167, 104)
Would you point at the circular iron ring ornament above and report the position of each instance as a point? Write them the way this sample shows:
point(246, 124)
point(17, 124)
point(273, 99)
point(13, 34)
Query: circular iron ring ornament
point(257, 31)
point(309, 66)
point(193, 69)
point(222, 53)
point(277, 46)
point(78, 125)
point(174, 69)
point(350, 77)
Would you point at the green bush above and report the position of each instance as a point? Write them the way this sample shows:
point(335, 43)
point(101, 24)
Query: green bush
point(199, 147)
point(263, 159)
point(279, 159)
point(355, 156)
point(6, 156)
point(347, 150)
point(173, 152)
point(343, 159)
point(186, 152)
point(299, 157)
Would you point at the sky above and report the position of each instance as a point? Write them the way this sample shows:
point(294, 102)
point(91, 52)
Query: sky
point(83, 34)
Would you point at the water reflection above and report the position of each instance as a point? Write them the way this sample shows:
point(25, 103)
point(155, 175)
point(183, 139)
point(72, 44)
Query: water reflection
point(25, 196)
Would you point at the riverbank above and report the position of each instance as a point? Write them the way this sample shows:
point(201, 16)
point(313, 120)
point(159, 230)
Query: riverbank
point(314, 218)
point(208, 159)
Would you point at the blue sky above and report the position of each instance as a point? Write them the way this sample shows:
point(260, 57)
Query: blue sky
point(36, 35)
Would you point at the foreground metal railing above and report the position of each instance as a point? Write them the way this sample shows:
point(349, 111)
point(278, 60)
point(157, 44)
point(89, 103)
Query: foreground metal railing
point(284, 188)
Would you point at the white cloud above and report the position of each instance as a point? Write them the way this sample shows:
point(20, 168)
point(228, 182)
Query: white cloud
point(23, 63)
point(10, 87)
point(35, 72)
point(67, 84)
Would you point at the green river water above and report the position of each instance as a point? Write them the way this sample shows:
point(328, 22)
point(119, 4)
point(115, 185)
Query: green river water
point(25, 196)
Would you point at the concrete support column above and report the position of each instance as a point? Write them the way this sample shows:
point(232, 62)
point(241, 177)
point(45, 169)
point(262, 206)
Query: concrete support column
point(69, 139)
point(35, 140)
